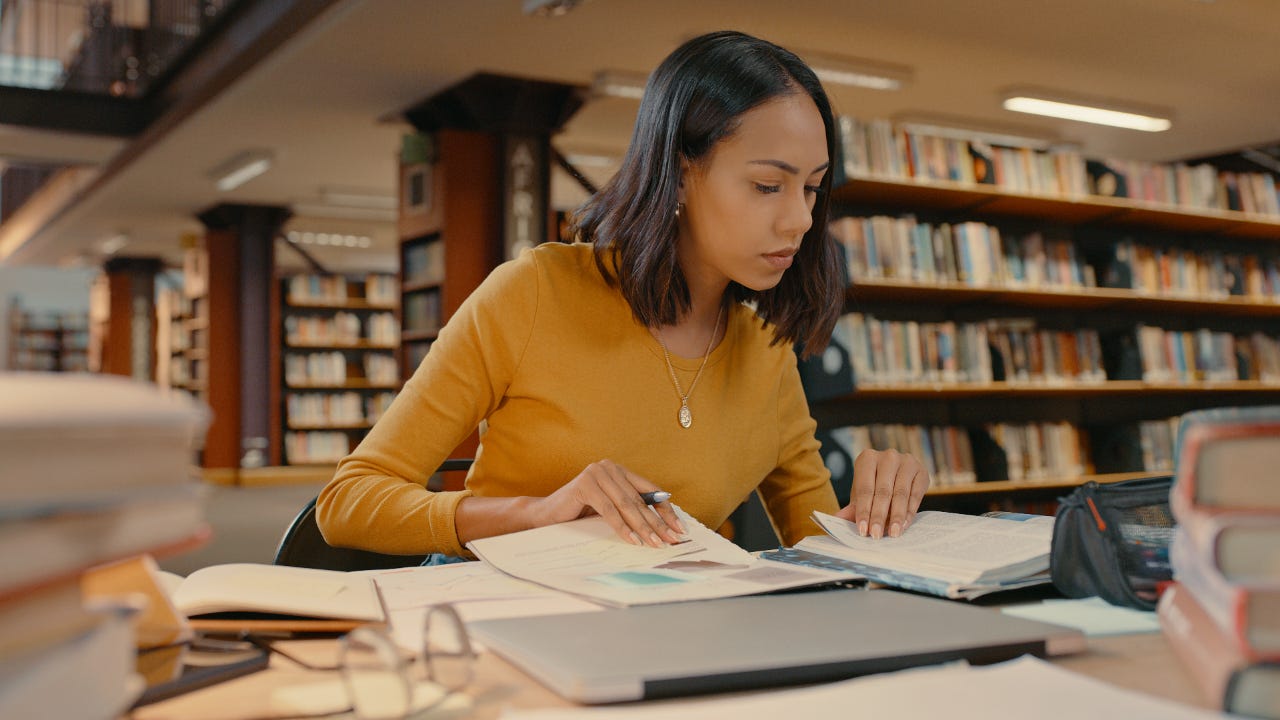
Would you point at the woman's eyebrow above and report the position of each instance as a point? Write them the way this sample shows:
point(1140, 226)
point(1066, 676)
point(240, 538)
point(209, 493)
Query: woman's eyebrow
point(788, 167)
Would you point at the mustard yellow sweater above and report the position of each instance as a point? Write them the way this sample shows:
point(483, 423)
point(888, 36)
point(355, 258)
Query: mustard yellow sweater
point(553, 359)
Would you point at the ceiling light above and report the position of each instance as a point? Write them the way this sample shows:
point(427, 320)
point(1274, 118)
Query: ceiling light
point(549, 8)
point(357, 198)
point(857, 72)
point(241, 169)
point(619, 83)
point(1104, 112)
point(113, 244)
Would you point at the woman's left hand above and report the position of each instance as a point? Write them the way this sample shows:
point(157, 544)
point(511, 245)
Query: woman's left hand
point(887, 489)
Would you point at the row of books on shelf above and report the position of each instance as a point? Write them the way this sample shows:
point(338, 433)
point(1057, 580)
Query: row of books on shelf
point(969, 253)
point(183, 371)
point(316, 446)
point(423, 263)
point(336, 409)
point(336, 369)
point(1180, 272)
point(881, 149)
point(377, 290)
point(1203, 355)
point(1222, 615)
point(908, 352)
point(422, 312)
point(342, 328)
point(1019, 452)
point(49, 360)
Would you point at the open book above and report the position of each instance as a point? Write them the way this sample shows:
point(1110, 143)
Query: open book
point(250, 596)
point(584, 557)
point(946, 554)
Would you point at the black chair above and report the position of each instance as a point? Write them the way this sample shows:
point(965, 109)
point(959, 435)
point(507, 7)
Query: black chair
point(304, 546)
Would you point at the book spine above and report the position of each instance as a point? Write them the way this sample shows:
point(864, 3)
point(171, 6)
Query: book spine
point(1199, 644)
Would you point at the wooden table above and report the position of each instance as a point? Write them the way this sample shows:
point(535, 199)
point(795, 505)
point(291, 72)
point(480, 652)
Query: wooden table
point(1141, 662)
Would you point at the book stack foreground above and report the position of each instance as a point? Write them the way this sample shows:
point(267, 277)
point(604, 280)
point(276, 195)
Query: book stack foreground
point(1222, 616)
point(96, 469)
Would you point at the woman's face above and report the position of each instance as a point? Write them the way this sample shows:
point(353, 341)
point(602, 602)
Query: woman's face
point(749, 202)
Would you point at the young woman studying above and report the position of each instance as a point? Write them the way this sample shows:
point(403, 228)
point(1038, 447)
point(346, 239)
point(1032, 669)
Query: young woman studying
point(655, 354)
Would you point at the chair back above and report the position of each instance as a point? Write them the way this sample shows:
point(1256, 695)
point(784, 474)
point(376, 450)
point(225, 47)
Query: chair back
point(303, 546)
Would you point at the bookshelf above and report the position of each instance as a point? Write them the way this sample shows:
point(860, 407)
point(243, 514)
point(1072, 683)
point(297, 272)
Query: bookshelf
point(47, 341)
point(1186, 314)
point(182, 328)
point(340, 336)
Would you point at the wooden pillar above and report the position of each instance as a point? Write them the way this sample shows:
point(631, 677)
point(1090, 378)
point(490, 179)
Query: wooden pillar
point(244, 387)
point(493, 151)
point(129, 340)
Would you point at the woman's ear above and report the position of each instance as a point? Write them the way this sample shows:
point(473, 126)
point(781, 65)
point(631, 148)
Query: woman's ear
point(684, 174)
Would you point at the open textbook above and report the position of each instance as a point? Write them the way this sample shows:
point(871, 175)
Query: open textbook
point(584, 557)
point(946, 554)
point(250, 596)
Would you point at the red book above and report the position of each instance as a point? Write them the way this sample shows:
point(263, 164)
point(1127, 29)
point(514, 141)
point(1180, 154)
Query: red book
point(1247, 614)
point(1229, 679)
point(1227, 459)
point(1244, 547)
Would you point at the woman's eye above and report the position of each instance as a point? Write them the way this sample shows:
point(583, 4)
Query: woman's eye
point(813, 189)
point(767, 189)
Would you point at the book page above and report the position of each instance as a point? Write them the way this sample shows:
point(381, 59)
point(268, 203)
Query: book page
point(960, 548)
point(584, 557)
point(250, 587)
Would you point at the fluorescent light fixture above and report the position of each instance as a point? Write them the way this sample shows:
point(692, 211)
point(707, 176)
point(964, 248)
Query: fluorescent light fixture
point(963, 128)
point(358, 198)
point(241, 169)
point(1098, 112)
point(857, 72)
point(619, 84)
point(113, 244)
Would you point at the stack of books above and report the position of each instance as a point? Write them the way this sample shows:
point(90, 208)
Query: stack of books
point(1222, 615)
point(96, 469)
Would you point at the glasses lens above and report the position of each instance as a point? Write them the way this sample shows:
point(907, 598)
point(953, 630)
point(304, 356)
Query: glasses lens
point(374, 673)
point(447, 648)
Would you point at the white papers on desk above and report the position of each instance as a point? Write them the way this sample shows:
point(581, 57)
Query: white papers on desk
point(1093, 616)
point(1026, 687)
point(475, 589)
point(584, 557)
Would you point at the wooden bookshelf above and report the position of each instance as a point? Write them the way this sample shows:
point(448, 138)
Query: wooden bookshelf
point(47, 341)
point(339, 340)
point(1086, 405)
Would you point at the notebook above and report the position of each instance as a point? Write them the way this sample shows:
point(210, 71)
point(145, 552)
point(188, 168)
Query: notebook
point(743, 643)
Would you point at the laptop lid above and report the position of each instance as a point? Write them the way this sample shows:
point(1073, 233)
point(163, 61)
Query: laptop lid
point(758, 641)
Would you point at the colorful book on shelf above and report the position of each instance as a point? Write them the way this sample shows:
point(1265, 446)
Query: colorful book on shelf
point(1249, 614)
point(1227, 459)
point(1228, 679)
point(945, 554)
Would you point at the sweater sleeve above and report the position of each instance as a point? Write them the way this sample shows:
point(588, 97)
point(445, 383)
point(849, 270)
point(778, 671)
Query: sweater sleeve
point(800, 483)
point(378, 499)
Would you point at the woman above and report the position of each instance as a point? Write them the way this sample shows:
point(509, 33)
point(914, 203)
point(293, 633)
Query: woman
point(629, 362)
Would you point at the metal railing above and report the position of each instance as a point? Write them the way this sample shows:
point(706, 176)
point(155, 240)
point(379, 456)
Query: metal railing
point(114, 47)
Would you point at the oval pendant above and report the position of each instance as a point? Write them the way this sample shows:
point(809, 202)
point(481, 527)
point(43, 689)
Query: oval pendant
point(686, 417)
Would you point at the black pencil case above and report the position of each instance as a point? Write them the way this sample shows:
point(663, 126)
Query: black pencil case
point(1112, 541)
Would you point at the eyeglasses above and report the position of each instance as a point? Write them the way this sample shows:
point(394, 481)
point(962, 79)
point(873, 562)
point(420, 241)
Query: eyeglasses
point(379, 678)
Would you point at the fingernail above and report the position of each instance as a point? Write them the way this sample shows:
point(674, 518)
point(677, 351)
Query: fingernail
point(655, 540)
point(862, 528)
point(681, 526)
point(895, 530)
point(635, 539)
point(877, 531)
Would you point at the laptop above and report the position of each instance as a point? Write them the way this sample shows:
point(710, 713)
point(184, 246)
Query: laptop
point(743, 643)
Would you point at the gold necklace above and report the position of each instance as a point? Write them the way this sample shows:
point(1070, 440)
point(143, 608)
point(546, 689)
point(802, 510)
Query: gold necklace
point(685, 416)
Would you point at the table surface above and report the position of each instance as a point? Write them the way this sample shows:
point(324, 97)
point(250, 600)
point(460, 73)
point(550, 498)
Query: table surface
point(1140, 662)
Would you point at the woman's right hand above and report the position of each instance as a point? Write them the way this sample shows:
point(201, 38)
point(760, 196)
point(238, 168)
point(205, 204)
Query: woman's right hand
point(609, 490)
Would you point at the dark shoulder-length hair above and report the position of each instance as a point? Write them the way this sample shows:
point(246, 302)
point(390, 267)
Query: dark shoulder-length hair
point(692, 101)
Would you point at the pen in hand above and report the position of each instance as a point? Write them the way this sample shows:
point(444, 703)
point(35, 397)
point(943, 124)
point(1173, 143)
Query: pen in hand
point(655, 497)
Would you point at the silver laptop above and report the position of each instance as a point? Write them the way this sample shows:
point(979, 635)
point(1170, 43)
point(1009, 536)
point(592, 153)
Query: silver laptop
point(746, 643)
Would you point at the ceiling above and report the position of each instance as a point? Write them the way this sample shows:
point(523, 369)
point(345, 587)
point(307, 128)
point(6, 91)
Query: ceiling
point(317, 103)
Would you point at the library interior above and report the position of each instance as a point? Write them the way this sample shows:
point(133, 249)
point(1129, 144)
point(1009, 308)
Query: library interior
point(232, 230)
